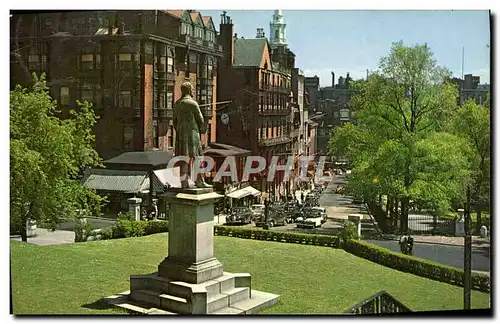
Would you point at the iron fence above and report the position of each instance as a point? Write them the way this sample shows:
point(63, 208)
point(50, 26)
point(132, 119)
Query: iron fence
point(379, 303)
point(427, 224)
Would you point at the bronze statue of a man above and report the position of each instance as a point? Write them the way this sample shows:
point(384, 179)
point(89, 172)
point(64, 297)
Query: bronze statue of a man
point(189, 124)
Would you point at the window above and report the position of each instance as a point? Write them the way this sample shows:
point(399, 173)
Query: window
point(198, 32)
point(170, 64)
point(170, 99)
point(210, 68)
point(33, 61)
point(87, 93)
point(162, 63)
point(128, 138)
point(185, 28)
point(161, 103)
point(193, 63)
point(277, 34)
point(210, 36)
point(124, 99)
point(124, 57)
point(87, 61)
point(171, 136)
point(156, 140)
point(64, 92)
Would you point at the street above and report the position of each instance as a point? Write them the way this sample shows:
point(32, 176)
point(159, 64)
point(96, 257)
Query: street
point(444, 254)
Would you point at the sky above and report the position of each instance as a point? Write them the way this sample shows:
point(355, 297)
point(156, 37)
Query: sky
point(355, 40)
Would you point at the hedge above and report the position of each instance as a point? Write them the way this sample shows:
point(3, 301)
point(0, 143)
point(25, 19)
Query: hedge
point(416, 266)
point(123, 228)
point(285, 237)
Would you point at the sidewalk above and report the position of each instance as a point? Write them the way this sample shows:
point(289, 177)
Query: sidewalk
point(477, 241)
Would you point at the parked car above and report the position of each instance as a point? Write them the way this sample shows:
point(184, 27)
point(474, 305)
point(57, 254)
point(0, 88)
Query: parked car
point(240, 215)
point(312, 218)
point(257, 209)
point(277, 216)
point(322, 212)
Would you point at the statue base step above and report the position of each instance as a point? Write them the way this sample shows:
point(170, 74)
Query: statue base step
point(227, 294)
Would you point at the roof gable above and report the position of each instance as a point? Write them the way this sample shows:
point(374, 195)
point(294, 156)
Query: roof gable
point(196, 18)
point(250, 52)
point(181, 14)
point(209, 23)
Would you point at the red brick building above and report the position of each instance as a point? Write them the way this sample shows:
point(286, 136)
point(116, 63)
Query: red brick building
point(128, 63)
point(259, 117)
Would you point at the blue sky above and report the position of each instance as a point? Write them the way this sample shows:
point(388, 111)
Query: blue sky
point(353, 41)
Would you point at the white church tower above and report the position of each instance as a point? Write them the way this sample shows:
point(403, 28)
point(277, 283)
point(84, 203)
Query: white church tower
point(277, 29)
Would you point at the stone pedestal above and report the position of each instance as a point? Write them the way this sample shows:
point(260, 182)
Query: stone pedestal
point(356, 219)
point(191, 237)
point(190, 280)
point(134, 207)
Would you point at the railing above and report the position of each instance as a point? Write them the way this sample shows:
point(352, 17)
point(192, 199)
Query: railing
point(200, 42)
point(269, 87)
point(380, 303)
point(274, 141)
point(275, 112)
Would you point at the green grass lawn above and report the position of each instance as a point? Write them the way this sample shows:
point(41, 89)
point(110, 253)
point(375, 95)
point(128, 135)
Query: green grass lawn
point(70, 279)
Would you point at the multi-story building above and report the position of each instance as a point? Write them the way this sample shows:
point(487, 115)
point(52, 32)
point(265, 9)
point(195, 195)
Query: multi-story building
point(128, 63)
point(470, 88)
point(333, 102)
point(311, 85)
point(258, 119)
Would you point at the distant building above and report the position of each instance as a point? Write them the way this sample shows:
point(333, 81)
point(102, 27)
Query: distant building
point(128, 63)
point(258, 119)
point(470, 88)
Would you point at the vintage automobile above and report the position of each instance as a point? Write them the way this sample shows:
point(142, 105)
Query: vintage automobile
point(313, 217)
point(240, 215)
point(277, 216)
point(257, 210)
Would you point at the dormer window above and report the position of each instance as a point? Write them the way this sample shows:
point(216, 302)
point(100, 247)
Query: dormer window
point(198, 32)
point(185, 28)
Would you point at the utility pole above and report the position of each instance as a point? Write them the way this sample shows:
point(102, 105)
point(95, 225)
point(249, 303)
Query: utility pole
point(467, 253)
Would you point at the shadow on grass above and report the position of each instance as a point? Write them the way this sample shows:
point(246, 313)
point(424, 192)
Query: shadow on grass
point(98, 305)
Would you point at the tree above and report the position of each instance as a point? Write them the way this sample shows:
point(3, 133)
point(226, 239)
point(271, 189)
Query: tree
point(402, 111)
point(472, 122)
point(47, 158)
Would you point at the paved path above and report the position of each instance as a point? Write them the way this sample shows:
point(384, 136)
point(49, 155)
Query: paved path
point(46, 237)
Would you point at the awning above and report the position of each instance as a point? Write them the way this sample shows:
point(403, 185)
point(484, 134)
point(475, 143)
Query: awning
point(116, 180)
point(244, 192)
point(169, 177)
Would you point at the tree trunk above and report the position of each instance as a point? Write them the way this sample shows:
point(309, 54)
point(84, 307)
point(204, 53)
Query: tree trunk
point(478, 222)
point(24, 230)
point(404, 215)
point(380, 201)
point(388, 206)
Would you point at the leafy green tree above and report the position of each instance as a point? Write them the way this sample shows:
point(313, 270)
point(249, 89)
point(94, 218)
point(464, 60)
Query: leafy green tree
point(472, 122)
point(47, 158)
point(402, 112)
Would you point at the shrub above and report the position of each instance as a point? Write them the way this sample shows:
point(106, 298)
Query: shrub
point(416, 266)
point(130, 228)
point(349, 231)
point(107, 233)
point(82, 230)
point(286, 237)
point(158, 226)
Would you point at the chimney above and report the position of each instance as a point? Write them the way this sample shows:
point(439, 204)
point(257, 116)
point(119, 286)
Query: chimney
point(333, 80)
point(226, 40)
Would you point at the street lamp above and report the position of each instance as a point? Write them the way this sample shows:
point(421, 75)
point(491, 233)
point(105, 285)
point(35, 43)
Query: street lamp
point(467, 253)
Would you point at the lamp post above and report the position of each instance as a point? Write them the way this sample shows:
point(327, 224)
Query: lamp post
point(467, 253)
